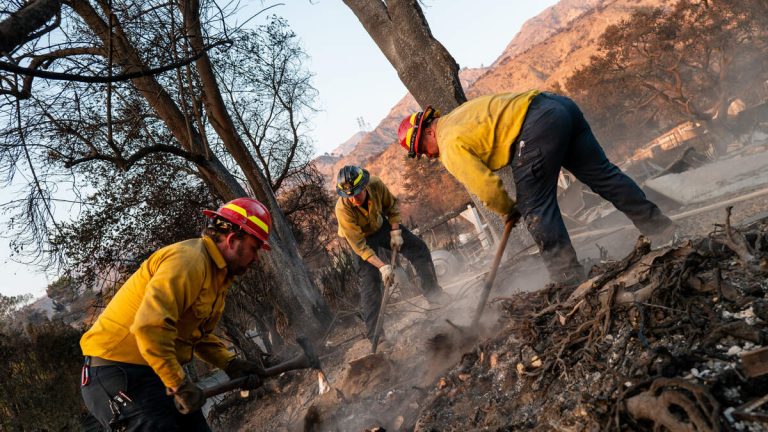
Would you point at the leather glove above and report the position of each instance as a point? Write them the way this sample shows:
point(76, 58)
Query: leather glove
point(396, 239)
point(238, 368)
point(514, 216)
point(387, 274)
point(188, 398)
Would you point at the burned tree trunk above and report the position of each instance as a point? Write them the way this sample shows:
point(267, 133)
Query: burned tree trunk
point(305, 304)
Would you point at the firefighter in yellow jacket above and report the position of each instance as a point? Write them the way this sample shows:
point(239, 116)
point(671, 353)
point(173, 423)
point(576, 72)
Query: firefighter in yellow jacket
point(163, 315)
point(537, 134)
point(369, 220)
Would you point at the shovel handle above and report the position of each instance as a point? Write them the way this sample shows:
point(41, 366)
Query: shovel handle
point(224, 387)
point(384, 299)
point(307, 359)
point(393, 261)
point(492, 275)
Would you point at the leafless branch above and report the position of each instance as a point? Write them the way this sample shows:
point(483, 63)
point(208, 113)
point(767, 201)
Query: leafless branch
point(125, 164)
point(21, 27)
point(10, 67)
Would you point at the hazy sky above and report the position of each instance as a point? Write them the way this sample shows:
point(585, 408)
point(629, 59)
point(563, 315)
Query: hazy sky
point(352, 76)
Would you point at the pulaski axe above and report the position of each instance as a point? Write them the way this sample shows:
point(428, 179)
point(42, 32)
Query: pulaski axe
point(308, 359)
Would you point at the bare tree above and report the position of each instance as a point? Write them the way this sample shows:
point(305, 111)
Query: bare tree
point(65, 128)
point(270, 95)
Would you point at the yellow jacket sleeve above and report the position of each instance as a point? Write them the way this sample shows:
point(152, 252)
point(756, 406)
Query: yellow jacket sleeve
point(211, 350)
point(476, 177)
point(172, 289)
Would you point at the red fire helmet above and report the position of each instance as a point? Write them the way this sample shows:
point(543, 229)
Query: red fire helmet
point(249, 214)
point(409, 132)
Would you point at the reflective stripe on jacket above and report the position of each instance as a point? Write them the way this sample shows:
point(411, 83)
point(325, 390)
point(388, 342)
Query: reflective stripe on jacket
point(357, 223)
point(475, 140)
point(166, 311)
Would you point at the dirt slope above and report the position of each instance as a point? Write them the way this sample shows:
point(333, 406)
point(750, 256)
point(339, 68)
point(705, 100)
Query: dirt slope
point(572, 28)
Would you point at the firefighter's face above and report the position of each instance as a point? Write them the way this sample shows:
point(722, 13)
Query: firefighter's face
point(429, 142)
point(358, 199)
point(241, 253)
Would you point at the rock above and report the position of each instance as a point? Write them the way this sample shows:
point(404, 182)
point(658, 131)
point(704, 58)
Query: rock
point(760, 308)
point(442, 383)
point(520, 368)
point(536, 362)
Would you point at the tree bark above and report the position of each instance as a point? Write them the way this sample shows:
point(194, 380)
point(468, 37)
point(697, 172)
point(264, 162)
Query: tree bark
point(19, 27)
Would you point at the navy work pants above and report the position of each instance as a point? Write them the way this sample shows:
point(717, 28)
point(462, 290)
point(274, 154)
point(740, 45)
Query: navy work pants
point(149, 408)
point(554, 135)
point(371, 286)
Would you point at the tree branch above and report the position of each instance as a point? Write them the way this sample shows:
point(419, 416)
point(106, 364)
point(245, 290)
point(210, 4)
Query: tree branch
point(20, 27)
point(125, 164)
point(10, 67)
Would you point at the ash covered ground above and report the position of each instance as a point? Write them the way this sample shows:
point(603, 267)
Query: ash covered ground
point(657, 339)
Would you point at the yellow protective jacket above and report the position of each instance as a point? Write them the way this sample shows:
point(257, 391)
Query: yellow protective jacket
point(475, 140)
point(357, 223)
point(166, 312)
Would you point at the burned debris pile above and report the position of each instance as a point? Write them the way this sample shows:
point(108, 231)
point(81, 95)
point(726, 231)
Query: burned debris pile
point(665, 339)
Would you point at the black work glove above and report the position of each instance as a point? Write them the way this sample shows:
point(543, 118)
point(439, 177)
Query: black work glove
point(238, 368)
point(188, 398)
point(514, 217)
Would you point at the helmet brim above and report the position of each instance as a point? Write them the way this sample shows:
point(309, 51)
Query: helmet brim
point(356, 190)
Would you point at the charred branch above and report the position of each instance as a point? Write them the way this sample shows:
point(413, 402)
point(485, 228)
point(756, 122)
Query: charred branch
point(676, 404)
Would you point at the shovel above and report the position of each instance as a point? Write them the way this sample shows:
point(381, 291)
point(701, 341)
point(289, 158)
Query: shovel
point(384, 300)
point(307, 359)
point(466, 334)
point(492, 275)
